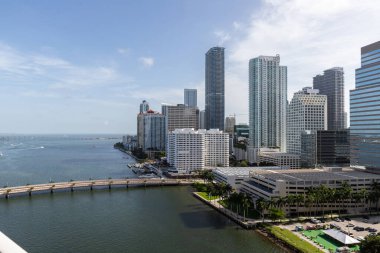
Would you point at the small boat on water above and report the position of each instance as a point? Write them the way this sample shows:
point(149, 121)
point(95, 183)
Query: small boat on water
point(148, 176)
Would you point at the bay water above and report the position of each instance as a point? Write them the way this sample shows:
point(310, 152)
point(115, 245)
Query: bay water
point(162, 219)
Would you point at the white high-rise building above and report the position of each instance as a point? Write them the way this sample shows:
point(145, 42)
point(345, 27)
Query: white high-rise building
point(189, 149)
point(151, 134)
point(306, 111)
point(267, 103)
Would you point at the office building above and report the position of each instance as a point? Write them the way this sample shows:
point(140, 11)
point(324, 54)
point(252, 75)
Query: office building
point(273, 157)
point(331, 84)
point(190, 97)
point(214, 90)
point(230, 125)
point(180, 116)
point(241, 131)
point(325, 148)
point(272, 184)
point(151, 134)
point(267, 102)
point(306, 111)
point(189, 149)
point(234, 176)
point(365, 110)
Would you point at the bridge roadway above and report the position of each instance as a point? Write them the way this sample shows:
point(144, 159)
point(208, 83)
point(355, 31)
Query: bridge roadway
point(8, 192)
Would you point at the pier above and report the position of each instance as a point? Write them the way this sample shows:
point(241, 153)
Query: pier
point(29, 190)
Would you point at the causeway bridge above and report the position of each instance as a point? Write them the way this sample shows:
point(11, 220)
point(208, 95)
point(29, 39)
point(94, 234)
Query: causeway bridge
point(26, 190)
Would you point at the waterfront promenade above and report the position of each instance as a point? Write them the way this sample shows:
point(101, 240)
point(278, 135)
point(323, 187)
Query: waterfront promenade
point(8, 192)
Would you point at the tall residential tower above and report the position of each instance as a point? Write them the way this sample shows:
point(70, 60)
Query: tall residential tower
point(331, 84)
point(267, 102)
point(214, 90)
point(365, 110)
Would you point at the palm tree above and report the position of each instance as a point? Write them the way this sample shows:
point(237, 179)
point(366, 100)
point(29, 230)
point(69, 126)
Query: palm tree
point(299, 199)
point(346, 193)
point(375, 187)
point(228, 189)
point(246, 202)
point(262, 206)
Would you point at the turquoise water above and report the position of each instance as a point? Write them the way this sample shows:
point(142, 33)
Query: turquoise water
point(162, 219)
point(39, 159)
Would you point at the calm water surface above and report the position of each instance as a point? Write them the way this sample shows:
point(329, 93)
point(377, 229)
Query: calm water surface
point(166, 219)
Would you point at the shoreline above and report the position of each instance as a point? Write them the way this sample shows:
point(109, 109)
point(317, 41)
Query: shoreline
point(229, 214)
point(129, 153)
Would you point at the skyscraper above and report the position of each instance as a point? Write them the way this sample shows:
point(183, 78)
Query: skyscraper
point(151, 134)
point(325, 147)
point(306, 111)
point(214, 90)
point(267, 102)
point(331, 84)
point(229, 125)
point(365, 107)
point(190, 97)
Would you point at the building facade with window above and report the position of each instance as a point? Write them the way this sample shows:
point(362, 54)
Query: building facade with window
point(365, 110)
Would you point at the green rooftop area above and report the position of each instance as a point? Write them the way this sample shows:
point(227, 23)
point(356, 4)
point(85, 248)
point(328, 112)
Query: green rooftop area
point(325, 241)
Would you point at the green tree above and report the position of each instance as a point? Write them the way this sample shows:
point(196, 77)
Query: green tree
point(246, 203)
point(276, 214)
point(244, 163)
point(262, 206)
point(370, 244)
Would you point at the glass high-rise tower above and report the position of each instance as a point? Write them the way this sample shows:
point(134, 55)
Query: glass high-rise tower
point(331, 84)
point(190, 97)
point(214, 90)
point(365, 110)
point(267, 102)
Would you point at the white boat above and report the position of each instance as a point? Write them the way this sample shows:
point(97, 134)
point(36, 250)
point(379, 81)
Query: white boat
point(148, 176)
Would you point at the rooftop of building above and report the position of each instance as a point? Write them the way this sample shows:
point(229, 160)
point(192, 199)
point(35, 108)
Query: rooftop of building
point(300, 175)
point(241, 171)
point(273, 153)
point(370, 47)
point(199, 131)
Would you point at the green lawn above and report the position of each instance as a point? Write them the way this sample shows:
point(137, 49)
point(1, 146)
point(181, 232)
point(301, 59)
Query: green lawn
point(292, 239)
point(328, 243)
point(206, 196)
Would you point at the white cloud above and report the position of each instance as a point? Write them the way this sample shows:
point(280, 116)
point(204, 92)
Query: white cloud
point(44, 75)
point(123, 51)
point(147, 61)
point(237, 25)
point(222, 37)
point(310, 36)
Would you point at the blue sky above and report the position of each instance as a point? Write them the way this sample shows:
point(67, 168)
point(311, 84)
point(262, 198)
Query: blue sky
point(84, 66)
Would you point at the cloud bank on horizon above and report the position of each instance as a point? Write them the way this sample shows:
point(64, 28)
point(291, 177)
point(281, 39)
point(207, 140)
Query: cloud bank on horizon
point(310, 36)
